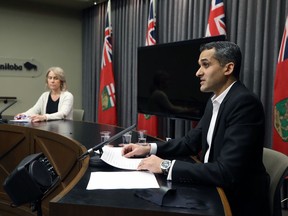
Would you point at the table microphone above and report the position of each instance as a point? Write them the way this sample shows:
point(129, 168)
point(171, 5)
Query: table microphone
point(6, 107)
point(111, 139)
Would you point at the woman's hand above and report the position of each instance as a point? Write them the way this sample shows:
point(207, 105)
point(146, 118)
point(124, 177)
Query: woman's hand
point(38, 118)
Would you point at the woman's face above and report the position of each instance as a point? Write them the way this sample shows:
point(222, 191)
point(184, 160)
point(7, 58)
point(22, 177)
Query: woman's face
point(53, 82)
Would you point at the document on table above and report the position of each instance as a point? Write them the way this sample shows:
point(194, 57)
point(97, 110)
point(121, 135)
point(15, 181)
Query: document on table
point(21, 120)
point(121, 179)
point(114, 157)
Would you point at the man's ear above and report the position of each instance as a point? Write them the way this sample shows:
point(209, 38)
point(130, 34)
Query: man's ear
point(229, 68)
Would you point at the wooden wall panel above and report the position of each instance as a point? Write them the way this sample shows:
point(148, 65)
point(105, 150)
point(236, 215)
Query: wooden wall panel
point(17, 142)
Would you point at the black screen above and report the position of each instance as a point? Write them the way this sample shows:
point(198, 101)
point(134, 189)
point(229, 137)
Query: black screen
point(167, 82)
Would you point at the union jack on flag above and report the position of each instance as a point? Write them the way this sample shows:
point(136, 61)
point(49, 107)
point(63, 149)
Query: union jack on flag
point(216, 22)
point(107, 49)
point(283, 53)
point(151, 32)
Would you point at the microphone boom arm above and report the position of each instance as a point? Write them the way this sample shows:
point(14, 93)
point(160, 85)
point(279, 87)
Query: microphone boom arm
point(7, 104)
point(111, 139)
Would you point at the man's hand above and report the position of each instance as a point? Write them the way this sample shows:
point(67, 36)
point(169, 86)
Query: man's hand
point(151, 163)
point(132, 150)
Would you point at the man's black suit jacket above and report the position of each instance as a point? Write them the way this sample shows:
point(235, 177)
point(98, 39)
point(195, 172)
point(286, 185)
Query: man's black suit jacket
point(235, 161)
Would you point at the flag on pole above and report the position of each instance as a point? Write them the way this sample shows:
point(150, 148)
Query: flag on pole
point(280, 103)
point(149, 122)
point(107, 99)
point(216, 21)
point(151, 31)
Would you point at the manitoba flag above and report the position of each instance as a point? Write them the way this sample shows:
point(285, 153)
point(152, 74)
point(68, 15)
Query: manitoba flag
point(216, 21)
point(107, 100)
point(149, 122)
point(280, 103)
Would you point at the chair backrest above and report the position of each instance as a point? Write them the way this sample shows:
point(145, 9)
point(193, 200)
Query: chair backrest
point(276, 165)
point(78, 114)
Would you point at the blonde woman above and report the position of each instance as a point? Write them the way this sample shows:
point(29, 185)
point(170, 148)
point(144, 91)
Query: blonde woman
point(54, 104)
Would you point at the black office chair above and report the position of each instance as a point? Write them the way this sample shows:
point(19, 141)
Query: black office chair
point(276, 165)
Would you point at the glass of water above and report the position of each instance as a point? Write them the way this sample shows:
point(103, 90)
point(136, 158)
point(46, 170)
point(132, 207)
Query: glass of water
point(142, 137)
point(126, 138)
point(105, 135)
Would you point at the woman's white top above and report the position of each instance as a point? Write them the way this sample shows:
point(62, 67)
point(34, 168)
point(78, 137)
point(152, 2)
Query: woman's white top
point(65, 106)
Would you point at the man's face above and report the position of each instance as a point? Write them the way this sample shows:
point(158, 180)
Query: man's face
point(211, 73)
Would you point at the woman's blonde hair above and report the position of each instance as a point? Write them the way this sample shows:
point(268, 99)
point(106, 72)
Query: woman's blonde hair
point(59, 72)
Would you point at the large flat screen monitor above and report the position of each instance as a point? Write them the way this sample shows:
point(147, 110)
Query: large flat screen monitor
point(167, 82)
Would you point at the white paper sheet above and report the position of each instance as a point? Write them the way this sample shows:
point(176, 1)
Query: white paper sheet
point(113, 156)
point(122, 180)
point(21, 120)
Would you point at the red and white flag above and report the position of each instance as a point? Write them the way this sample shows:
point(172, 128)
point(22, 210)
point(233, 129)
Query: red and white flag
point(280, 102)
point(151, 31)
point(107, 100)
point(149, 122)
point(216, 21)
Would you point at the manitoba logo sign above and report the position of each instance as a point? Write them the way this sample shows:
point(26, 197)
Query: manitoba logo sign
point(20, 67)
point(281, 119)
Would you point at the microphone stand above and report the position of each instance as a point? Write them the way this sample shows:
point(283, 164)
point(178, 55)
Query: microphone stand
point(111, 139)
point(6, 107)
point(36, 206)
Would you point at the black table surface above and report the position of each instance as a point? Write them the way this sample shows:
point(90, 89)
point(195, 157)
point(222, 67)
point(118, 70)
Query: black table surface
point(206, 199)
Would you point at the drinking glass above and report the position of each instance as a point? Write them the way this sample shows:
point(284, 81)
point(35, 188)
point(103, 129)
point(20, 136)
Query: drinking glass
point(142, 137)
point(126, 138)
point(105, 135)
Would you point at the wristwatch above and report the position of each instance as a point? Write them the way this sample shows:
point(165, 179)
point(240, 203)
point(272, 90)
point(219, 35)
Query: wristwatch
point(165, 166)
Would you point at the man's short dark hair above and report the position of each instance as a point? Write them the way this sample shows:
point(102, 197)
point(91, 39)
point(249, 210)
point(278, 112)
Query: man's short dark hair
point(225, 52)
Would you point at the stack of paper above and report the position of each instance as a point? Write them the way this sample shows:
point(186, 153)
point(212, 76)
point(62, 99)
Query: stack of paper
point(121, 179)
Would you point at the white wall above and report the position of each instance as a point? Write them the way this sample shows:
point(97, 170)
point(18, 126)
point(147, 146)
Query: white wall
point(53, 37)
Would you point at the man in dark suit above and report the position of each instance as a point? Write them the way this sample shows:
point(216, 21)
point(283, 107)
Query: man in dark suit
point(229, 137)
